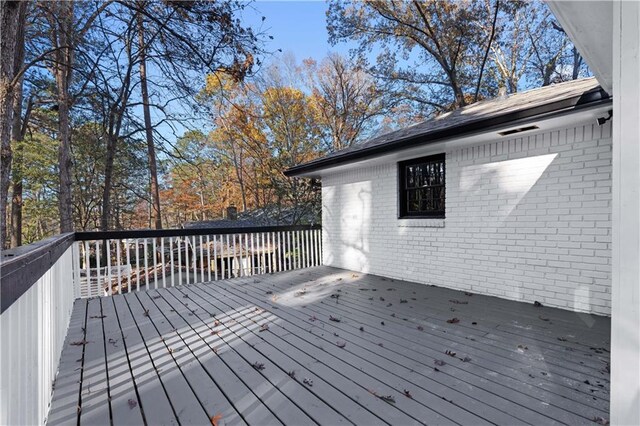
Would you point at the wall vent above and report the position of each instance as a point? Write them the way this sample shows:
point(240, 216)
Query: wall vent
point(519, 130)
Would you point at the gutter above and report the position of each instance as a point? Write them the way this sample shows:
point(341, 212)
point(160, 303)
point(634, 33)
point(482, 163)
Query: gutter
point(591, 99)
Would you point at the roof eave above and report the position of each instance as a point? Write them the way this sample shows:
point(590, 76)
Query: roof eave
point(592, 99)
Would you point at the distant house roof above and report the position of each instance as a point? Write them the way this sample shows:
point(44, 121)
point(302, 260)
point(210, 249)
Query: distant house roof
point(267, 216)
point(485, 115)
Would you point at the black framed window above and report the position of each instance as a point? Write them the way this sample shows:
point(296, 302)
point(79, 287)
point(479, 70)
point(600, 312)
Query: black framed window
point(422, 187)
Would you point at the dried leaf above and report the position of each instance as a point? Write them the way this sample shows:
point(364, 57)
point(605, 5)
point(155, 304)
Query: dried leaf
point(79, 343)
point(132, 403)
point(408, 394)
point(562, 339)
point(146, 313)
point(258, 366)
point(439, 362)
point(404, 301)
point(300, 293)
point(292, 374)
point(312, 318)
point(382, 299)
point(215, 419)
point(381, 345)
point(264, 327)
point(453, 321)
point(448, 352)
point(537, 304)
point(458, 302)
point(474, 323)
point(307, 382)
point(389, 305)
point(334, 319)
point(522, 348)
point(466, 293)
point(543, 318)
point(421, 328)
point(361, 328)
point(600, 421)
point(341, 343)
point(466, 359)
point(354, 275)
point(268, 292)
point(388, 398)
point(382, 322)
point(98, 316)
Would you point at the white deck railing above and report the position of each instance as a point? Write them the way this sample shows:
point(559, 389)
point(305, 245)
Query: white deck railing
point(41, 281)
point(33, 328)
point(112, 263)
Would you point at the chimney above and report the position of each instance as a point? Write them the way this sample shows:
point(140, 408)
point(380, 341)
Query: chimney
point(232, 213)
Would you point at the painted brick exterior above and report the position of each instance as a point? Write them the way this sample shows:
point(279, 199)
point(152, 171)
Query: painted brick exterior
point(526, 219)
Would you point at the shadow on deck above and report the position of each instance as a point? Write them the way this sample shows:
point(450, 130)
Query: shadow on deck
point(324, 345)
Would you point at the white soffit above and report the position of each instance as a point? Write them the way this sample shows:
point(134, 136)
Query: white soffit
point(589, 24)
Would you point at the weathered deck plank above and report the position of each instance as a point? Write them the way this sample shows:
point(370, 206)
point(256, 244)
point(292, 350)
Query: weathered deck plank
point(186, 354)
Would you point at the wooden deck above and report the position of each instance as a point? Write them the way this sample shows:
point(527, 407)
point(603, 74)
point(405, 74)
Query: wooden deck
point(328, 346)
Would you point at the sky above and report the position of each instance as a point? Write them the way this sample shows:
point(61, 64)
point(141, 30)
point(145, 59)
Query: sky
point(298, 27)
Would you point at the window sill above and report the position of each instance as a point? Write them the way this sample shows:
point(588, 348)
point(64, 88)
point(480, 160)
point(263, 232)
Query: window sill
point(420, 223)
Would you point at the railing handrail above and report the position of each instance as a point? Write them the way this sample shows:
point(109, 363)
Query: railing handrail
point(22, 267)
point(184, 232)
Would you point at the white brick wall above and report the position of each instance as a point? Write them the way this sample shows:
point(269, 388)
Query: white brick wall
point(526, 219)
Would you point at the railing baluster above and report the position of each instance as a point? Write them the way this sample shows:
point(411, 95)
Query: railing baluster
point(155, 263)
point(319, 246)
point(270, 253)
point(173, 278)
point(201, 260)
point(137, 243)
point(119, 260)
point(215, 256)
point(194, 256)
point(233, 260)
point(163, 263)
point(187, 242)
point(179, 262)
point(287, 254)
point(229, 265)
point(98, 266)
point(108, 261)
point(208, 259)
point(127, 247)
point(307, 246)
point(87, 266)
point(146, 265)
point(247, 272)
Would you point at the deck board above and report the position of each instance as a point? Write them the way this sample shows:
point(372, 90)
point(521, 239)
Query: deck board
point(185, 355)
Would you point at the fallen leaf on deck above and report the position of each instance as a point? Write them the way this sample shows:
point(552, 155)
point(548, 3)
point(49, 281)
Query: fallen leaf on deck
point(537, 304)
point(292, 374)
point(268, 292)
point(300, 293)
point(361, 328)
point(339, 279)
point(466, 293)
point(132, 403)
point(439, 362)
point(98, 316)
point(79, 343)
point(341, 344)
point(313, 318)
point(453, 321)
point(522, 348)
point(562, 339)
point(407, 394)
point(307, 382)
point(186, 296)
point(215, 419)
point(215, 332)
point(334, 319)
point(474, 323)
point(258, 366)
point(466, 359)
point(389, 305)
point(543, 318)
point(146, 313)
point(382, 299)
point(388, 398)
point(448, 352)
point(600, 421)
point(264, 327)
point(458, 302)
point(381, 345)
point(421, 328)
point(404, 301)
point(382, 322)
point(435, 369)
point(393, 315)
point(354, 275)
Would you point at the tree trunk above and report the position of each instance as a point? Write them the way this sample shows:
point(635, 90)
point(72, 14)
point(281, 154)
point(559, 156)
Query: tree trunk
point(62, 70)
point(12, 18)
point(151, 150)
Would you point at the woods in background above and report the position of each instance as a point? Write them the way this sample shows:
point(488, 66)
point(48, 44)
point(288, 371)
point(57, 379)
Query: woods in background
point(144, 114)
